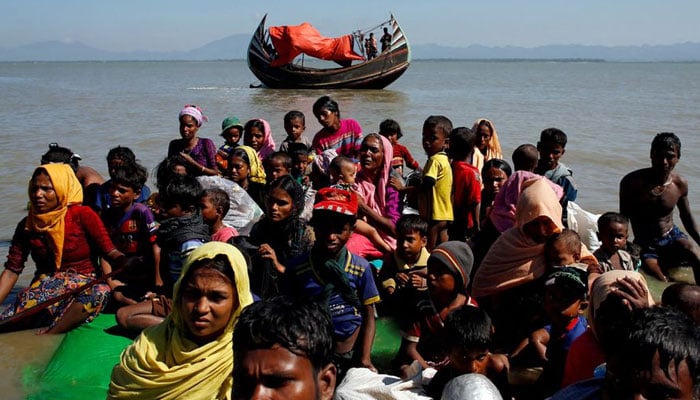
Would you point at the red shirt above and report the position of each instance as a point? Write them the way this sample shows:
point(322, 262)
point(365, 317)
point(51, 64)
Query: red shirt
point(467, 191)
point(85, 238)
point(401, 155)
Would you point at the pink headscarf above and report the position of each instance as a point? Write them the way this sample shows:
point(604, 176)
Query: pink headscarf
point(268, 146)
point(374, 193)
point(194, 112)
point(503, 211)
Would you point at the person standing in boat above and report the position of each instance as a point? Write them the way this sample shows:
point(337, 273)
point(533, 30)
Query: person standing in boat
point(385, 40)
point(342, 135)
point(200, 153)
point(648, 197)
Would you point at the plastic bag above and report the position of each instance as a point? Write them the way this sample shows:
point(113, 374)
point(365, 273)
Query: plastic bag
point(244, 211)
point(585, 224)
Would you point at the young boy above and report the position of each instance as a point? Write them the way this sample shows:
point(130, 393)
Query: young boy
point(615, 252)
point(343, 172)
point(300, 163)
point(552, 146)
point(116, 157)
point(132, 228)
point(276, 165)
point(295, 125)
point(405, 270)
point(648, 197)
point(391, 130)
point(525, 158)
point(468, 333)
point(343, 281)
point(215, 205)
point(684, 297)
point(284, 348)
point(231, 131)
point(467, 185)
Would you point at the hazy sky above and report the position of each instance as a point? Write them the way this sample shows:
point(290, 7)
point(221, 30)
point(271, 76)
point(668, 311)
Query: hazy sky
point(158, 25)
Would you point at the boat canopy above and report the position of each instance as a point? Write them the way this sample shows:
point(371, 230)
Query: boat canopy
point(290, 41)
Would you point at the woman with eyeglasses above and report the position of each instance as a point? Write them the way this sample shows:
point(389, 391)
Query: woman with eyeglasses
point(200, 153)
point(342, 135)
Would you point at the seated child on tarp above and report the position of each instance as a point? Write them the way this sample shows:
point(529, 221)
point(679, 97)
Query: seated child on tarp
point(615, 251)
point(215, 204)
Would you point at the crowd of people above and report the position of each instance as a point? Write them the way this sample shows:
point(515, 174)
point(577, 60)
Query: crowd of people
point(257, 271)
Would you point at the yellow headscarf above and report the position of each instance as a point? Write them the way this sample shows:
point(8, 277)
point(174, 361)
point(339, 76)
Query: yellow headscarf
point(163, 363)
point(494, 145)
point(257, 172)
point(68, 192)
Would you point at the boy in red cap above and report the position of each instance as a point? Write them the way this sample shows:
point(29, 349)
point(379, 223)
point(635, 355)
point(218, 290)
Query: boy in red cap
point(338, 279)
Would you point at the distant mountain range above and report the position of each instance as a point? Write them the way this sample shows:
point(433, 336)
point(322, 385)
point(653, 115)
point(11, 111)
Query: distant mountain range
point(235, 47)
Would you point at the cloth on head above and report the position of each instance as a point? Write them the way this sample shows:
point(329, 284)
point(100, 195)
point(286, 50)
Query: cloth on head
point(163, 363)
point(52, 223)
point(230, 122)
point(458, 258)
point(504, 205)
point(268, 146)
point(471, 386)
point(194, 112)
point(515, 258)
point(606, 283)
point(336, 200)
point(256, 170)
point(494, 145)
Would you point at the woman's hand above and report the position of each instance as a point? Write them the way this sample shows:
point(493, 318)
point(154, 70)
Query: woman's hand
point(267, 252)
point(632, 292)
point(396, 183)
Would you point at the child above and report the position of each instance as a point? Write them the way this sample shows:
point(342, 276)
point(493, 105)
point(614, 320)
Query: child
point(343, 281)
point(181, 231)
point(391, 130)
point(525, 158)
point(116, 157)
point(258, 135)
point(215, 205)
point(448, 275)
point(648, 197)
point(552, 146)
point(467, 185)
point(406, 270)
point(563, 249)
point(468, 333)
point(276, 165)
point(301, 159)
point(615, 251)
point(343, 171)
point(132, 228)
point(435, 194)
point(684, 297)
point(231, 131)
point(295, 125)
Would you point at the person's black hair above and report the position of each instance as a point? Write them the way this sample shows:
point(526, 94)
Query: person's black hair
point(219, 263)
point(439, 122)
point(294, 114)
point(132, 175)
point(325, 102)
point(297, 149)
point(525, 157)
point(569, 237)
point(496, 163)
point(62, 155)
point(553, 135)
point(462, 142)
point(253, 123)
point(301, 326)
point(469, 328)
point(165, 169)
point(121, 153)
point(412, 223)
point(219, 198)
point(389, 126)
point(684, 297)
point(666, 140)
point(184, 190)
point(610, 217)
point(280, 156)
point(337, 163)
point(293, 189)
point(665, 331)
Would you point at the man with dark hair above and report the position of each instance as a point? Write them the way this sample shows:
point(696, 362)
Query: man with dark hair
point(648, 197)
point(283, 350)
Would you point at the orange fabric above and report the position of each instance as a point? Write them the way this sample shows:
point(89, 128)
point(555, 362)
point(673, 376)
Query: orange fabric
point(290, 41)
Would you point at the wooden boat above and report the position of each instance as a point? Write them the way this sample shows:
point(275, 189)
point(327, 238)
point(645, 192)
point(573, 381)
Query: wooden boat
point(266, 52)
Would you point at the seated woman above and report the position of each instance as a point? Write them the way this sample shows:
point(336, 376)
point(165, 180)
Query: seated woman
point(200, 153)
point(281, 234)
point(64, 239)
point(246, 169)
point(189, 354)
point(258, 135)
point(379, 204)
point(507, 284)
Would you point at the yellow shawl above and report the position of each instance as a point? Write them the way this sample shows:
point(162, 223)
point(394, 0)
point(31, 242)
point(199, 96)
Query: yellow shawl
point(52, 223)
point(257, 172)
point(163, 363)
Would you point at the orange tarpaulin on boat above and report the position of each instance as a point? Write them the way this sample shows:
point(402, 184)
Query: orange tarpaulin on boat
point(290, 41)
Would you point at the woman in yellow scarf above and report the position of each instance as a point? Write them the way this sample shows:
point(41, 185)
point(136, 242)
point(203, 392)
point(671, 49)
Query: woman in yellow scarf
point(487, 146)
point(64, 238)
point(189, 355)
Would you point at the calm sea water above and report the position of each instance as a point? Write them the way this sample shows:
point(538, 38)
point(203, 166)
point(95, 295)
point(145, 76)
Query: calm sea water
point(610, 112)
